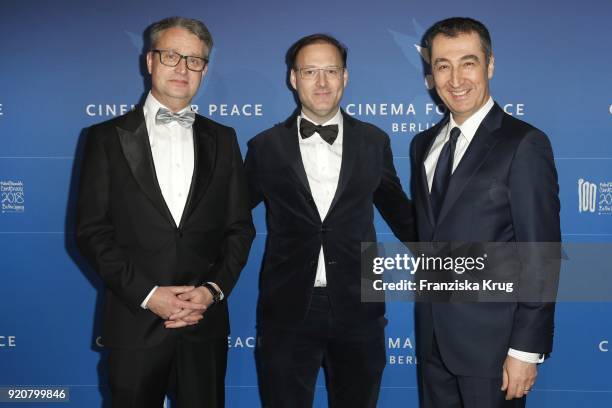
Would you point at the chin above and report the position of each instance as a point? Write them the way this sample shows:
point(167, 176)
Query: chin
point(323, 114)
point(462, 108)
point(180, 96)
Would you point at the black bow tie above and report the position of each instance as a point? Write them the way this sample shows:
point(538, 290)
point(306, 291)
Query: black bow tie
point(328, 133)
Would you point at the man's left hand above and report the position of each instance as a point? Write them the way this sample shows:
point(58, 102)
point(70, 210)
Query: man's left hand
point(188, 317)
point(517, 377)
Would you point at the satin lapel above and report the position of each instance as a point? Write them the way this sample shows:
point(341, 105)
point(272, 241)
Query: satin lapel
point(351, 143)
point(136, 148)
point(422, 152)
point(204, 158)
point(485, 138)
point(290, 147)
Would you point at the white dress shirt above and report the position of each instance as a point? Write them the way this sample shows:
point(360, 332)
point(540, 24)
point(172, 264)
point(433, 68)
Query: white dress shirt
point(468, 130)
point(173, 159)
point(322, 163)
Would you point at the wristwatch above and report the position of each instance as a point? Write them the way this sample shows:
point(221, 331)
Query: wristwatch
point(216, 294)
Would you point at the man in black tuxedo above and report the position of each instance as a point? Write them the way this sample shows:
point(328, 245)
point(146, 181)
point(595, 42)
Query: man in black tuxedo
point(319, 174)
point(480, 175)
point(163, 217)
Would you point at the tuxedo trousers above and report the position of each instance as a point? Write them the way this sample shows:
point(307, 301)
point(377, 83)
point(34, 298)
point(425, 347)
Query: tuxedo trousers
point(289, 360)
point(192, 373)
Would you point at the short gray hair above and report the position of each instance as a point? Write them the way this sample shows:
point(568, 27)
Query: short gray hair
point(195, 27)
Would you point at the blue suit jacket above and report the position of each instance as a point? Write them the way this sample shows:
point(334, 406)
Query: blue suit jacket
point(503, 190)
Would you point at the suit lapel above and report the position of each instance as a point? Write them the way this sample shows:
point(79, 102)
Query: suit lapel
point(204, 158)
point(350, 148)
point(485, 138)
point(351, 143)
point(422, 153)
point(290, 146)
point(134, 141)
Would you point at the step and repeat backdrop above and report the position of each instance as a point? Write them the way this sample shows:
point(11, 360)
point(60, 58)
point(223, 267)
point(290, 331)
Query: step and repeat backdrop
point(69, 64)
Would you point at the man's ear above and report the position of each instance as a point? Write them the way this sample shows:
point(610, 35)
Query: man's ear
point(293, 79)
point(149, 61)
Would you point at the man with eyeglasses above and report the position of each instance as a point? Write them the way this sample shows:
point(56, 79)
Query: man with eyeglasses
point(163, 217)
point(320, 173)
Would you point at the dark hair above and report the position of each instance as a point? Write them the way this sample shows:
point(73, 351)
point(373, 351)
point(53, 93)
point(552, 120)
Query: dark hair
point(195, 27)
point(318, 38)
point(452, 27)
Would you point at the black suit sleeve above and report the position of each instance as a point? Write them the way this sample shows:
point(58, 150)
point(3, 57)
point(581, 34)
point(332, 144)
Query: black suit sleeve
point(391, 200)
point(535, 209)
point(413, 175)
point(239, 230)
point(252, 174)
point(95, 233)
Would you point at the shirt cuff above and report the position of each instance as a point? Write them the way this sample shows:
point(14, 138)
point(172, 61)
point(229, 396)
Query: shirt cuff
point(146, 300)
point(221, 295)
point(526, 357)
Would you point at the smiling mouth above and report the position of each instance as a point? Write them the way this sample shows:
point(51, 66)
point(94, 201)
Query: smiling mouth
point(459, 94)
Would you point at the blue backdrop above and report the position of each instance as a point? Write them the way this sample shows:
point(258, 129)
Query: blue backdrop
point(68, 64)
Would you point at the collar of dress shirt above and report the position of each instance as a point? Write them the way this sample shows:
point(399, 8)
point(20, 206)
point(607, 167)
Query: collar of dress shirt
point(471, 124)
point(337, 119)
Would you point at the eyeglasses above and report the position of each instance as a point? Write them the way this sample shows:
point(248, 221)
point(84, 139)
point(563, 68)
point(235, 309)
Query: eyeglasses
point(172, 59)
point(329, 72)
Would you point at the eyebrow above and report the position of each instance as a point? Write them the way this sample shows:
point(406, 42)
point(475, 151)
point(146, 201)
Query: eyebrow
point(180, 53)
point(317, 67)
point(464, 58)
point(470, 57)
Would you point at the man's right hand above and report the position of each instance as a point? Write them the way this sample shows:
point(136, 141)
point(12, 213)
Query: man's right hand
point(165, 301)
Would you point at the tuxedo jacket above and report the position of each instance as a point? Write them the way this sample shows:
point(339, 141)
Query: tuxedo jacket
point(503, 190)
point(295, 231)
point(126, 231)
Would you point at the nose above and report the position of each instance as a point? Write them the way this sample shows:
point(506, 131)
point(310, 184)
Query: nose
point(321, 79)
point(455, 78)
point(181, 67)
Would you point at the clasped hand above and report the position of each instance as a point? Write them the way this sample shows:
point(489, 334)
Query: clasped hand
point(180, 306)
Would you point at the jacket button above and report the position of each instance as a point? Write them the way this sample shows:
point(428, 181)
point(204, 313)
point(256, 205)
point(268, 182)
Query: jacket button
point(179, 234)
